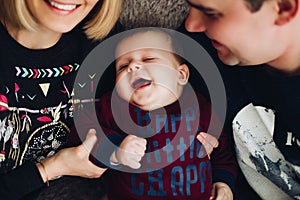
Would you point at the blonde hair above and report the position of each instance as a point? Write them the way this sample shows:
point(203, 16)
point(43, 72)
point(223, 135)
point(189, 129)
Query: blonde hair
point(101, 20)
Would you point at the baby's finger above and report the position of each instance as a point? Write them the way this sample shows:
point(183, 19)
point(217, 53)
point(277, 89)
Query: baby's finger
point(135, 165)
point(142, 142)
point(208, 140)
point(132, 157)
point(134, 162)
point(139, 153)
point(221, 194)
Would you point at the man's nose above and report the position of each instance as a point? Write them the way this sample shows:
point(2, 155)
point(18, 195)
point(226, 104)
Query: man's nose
point(195, 21)
point(134, 66)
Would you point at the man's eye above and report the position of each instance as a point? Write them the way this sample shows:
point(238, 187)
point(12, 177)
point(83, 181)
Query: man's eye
point(212, 15)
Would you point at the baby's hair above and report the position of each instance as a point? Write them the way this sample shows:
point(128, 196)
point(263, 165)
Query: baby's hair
point(177, 48)
point(100, 21)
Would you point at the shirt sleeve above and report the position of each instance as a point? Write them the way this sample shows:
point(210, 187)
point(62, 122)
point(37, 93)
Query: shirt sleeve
point(20, 182)
point(224, 164)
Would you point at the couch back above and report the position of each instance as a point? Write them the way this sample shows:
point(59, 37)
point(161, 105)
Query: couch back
point(158, 13)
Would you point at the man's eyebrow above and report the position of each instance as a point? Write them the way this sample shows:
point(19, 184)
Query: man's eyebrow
point(200, 7)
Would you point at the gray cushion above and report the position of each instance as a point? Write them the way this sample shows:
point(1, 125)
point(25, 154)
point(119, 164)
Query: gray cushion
point(158, 13)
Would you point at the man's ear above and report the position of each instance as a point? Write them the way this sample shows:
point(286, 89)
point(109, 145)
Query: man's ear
point(184, 74)
point(287, 10)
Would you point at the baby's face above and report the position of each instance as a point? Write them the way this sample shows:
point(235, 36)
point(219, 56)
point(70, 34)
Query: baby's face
point(146, 75)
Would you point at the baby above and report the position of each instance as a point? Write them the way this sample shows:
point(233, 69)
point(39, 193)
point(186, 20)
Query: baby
point(153, 118)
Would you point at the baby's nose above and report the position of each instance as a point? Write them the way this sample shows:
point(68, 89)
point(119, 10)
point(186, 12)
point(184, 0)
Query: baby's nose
point(134, 67)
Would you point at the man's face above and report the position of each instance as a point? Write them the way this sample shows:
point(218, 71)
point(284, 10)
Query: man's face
point(240, 36)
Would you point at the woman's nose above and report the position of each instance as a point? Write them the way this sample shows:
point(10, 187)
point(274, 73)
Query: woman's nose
point(195, 21)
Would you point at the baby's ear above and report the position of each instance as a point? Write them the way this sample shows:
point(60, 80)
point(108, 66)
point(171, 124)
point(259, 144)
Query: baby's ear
point(184, 74)
point(287, 10)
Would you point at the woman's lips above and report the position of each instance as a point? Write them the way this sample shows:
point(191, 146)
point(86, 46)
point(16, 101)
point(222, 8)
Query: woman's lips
point(60, 8)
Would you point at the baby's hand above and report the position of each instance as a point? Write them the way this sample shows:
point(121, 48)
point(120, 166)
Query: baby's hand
point(221, 191)
point(130, 152)
point(208, 141)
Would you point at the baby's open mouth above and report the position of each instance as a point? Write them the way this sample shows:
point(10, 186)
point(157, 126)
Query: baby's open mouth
point(140, 83)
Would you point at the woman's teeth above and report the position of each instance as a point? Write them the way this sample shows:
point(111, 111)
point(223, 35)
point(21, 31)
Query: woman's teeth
point(61, 6)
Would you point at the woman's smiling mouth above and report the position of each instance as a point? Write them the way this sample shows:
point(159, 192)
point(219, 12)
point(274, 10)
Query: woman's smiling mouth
point(63, 7)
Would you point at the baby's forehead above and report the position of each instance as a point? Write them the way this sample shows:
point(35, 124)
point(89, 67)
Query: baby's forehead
point(141, 41)
point(148, 51)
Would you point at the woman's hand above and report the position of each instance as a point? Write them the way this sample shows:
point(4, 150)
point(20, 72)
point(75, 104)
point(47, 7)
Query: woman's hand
point(72, 161)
